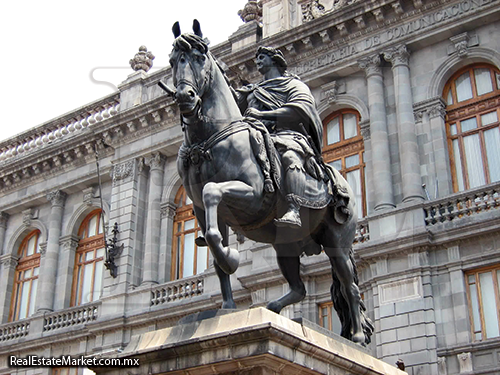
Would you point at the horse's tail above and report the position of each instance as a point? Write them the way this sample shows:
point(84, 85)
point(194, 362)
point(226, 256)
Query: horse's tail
point(342, 307)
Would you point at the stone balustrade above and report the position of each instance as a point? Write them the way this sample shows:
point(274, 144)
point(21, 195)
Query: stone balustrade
point(177, 290)
point(72, 317)
point(14, 330)
point(59, 128)
point(463, 204)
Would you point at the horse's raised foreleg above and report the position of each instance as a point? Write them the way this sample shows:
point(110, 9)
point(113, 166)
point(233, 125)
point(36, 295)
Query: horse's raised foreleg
point(213, 194)
point(343, 269)
point(289, 263)
point(225, 281)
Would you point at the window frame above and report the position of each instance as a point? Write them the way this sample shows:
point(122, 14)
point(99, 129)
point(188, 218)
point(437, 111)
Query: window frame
point(346, 148)
point(477, 282)
point(461, 111)
point(86, 245)
point(183, 214)
point(25, 263)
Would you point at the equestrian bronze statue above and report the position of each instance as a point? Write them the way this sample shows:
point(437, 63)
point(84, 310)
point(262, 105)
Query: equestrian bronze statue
point(261, 174)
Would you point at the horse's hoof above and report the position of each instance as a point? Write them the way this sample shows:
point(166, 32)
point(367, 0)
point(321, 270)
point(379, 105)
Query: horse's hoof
point(274, 307)
point(229, 261)
point(359, 338)
point(229, 305)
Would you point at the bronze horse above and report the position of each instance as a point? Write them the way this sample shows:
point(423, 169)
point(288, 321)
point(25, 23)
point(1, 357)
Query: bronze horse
point(224, 178)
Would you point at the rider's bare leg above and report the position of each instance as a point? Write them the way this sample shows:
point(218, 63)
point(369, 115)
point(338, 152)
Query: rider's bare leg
point(290, 268)
point(213, 193)
point(295, 180)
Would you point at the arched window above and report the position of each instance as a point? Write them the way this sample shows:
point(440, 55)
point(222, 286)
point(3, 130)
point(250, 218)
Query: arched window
point(472, 99)
point(343, 149)
point(87, 277)
point(187, 258)
point(26, 278)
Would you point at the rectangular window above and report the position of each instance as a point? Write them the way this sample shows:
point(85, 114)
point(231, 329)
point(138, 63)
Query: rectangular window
point(328, 317)
point(484, 302)
point(483, 81)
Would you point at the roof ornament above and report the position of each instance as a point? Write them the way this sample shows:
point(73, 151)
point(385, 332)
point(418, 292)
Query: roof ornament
point(251, 11)
point(143, 60)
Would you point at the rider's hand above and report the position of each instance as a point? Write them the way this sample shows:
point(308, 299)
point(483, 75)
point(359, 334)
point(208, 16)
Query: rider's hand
point(255, 113)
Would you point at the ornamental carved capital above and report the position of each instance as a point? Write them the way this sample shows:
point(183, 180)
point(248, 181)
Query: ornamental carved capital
point(57, 198)
point(371, 65)
point(399, 55)
point(43, 248)
point(4, 217)
point(69, 242)
point(168, 210)
point(365, 129)
point(9, 261)
point(88, 195)
point(29, 215)
point(156, 161)
point(437, 110)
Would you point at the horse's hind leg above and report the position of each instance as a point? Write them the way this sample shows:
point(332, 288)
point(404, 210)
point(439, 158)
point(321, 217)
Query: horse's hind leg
point(213, 193)
point(343, 269)
point(289, 263)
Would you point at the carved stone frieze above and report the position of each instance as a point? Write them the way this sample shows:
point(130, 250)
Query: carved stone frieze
point(371, 65)
point(122, 172)
point(57, 198)
point(143, 60)
point(156, 161)
point(399, 55)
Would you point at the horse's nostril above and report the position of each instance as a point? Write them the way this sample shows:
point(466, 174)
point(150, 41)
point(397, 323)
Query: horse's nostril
point(191, 94)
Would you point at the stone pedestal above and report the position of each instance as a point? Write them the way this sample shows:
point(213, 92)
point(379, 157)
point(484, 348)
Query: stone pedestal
point(251, 342)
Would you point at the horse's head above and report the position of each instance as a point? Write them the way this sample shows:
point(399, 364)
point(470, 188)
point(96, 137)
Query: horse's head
point(192, 68)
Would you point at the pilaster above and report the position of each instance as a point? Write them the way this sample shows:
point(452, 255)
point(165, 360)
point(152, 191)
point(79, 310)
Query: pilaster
point(156, 164)
point(166, 234)
point(64, 283)
point(380, 156)
point(408, 147)
point(8, 264)
point(4, 217)
point(49, 262)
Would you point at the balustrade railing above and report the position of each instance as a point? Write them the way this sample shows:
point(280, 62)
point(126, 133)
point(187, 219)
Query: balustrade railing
point(463, 204)
point(177, 290)
point(14, 330)
point(72, 317)
point(59, 128)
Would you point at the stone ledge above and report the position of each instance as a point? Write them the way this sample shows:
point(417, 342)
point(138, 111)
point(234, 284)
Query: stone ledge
point(254, 341)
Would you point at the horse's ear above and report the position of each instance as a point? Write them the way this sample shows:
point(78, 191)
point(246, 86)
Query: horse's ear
point(197, 28)
point(176, 29)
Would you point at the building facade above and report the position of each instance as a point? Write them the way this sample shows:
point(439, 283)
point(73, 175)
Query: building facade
point(409, 94)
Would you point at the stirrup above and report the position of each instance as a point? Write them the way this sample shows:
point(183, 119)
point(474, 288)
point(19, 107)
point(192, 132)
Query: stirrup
point(290, 219)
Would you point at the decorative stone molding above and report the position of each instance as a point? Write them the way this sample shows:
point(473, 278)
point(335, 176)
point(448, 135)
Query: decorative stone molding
point(143, 60)
point(88, 195)
point(312, 10)
point(167, 210)
point(442, 366)
point(325, 37)
point(4, 217)
point(9, 261)
point(360, 21)
point(156, 161)
point(123, 171)
point(69, 242)
point(398, 55)
point(461, 43)
point(417, 3)
point(437, 110)
point(342, 29)
point(307, 42)
point(258, 297)
point(43, 248)
point(371, 65)
point(453, 253)
point(465, 362)
point(331, 90)
point(29, 215)
point(141, 164)
point(337, 4)
point(397, 7)
point(433, 107)
point(379, 15)
point(291, 49)
point(365, 129)
point(252, 11)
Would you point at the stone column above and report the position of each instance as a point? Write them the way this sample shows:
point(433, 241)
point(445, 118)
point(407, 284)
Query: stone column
point(381, 159)
point(4, 217)
point(167, 230)
point(8, 263)
point(152, 246)
point(49, 264)
point(64, 283)
point(408, 146)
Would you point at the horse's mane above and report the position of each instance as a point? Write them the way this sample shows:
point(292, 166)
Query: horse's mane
point(186, 42)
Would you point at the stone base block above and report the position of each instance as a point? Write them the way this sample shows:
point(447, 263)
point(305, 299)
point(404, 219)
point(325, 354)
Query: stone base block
point(249, 342)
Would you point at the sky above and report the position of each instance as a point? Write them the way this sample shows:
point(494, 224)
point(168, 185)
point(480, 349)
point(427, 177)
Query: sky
point(57, 56)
